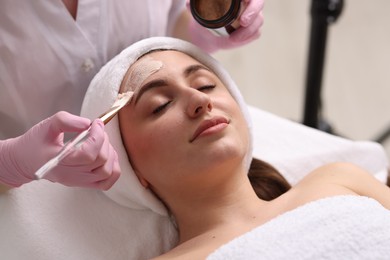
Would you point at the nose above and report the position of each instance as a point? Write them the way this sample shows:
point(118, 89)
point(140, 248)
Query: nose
point(198, 104)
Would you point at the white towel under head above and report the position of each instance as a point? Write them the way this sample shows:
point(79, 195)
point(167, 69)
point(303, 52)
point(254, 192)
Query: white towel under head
point(102, 92)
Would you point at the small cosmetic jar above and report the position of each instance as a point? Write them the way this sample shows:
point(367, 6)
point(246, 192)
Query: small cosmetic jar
point(220, 16)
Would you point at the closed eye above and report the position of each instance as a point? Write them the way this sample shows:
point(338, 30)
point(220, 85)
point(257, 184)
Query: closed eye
point(162, 107)
point(159, 109)
point(206, 87)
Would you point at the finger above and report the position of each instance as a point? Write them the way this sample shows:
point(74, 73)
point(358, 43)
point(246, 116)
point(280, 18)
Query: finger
point(110, 166)
point(70, 176)
point(94, 149)
point(253, 8)
point(66, 122)
point(78, 176)
point(107, 184)
point(102, 177)
point(104, 170)
point(246, 34)
point(103, 167)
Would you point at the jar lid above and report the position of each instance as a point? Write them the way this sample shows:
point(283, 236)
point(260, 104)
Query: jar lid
point(216, 13)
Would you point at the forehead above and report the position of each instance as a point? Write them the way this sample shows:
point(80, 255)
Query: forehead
point(168, 57)
point(154, 62)
point(174, 63)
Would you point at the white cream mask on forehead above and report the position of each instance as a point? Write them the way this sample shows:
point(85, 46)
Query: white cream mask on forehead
point(144, 67)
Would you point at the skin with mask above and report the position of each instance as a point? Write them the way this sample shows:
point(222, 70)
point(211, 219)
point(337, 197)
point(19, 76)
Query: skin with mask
point(186, 139)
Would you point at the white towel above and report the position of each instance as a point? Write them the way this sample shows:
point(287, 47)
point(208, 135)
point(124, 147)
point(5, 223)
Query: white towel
point(45, 221)
point(341, 227)
point(296, 150)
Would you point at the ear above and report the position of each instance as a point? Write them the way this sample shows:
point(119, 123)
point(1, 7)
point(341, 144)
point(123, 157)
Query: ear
point(141, 179)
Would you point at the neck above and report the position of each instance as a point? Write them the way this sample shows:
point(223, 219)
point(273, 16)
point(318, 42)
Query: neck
point(232, 203)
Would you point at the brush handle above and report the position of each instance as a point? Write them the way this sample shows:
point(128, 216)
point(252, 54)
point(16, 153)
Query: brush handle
point(68, 147)
point(80, 138)
point(72, 144)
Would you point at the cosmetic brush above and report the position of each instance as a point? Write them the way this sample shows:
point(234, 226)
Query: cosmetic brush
point(77, 141)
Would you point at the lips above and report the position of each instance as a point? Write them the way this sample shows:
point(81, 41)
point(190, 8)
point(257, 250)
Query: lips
point(215, 123)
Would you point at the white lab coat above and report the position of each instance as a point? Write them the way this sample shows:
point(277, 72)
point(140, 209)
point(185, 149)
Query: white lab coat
point(47, 58)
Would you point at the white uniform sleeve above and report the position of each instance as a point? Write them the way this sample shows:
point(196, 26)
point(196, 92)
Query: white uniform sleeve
point(178, 6)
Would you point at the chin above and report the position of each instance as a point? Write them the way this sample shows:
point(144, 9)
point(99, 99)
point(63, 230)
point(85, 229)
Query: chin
point(226, 153)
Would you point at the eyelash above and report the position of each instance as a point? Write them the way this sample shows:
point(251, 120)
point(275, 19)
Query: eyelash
point(207, 87)
point(159, 109)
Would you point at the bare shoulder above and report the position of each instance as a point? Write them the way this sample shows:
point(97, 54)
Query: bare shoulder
point(345, 178)
point(185, 253)
point(343, 174)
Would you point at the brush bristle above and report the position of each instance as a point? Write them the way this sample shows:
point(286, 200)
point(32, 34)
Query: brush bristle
point(123, 98)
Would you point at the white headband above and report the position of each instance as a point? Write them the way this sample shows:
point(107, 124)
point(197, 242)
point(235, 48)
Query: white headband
point(102, 92)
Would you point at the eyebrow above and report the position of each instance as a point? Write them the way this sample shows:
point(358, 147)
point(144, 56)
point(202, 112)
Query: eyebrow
point(161, 83)
point(150, 85)
point(194, 68)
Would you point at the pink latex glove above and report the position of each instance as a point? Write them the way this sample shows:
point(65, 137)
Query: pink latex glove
point(250, 20)
point(94, 165)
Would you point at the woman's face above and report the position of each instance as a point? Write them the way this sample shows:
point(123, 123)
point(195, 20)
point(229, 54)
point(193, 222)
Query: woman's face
point(182, 124)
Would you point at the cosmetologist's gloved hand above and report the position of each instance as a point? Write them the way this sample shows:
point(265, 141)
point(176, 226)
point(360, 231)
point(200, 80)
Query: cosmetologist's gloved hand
point(93, 165)
point(250, 20)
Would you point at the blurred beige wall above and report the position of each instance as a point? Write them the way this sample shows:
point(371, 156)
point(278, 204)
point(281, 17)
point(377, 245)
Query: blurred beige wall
point(356, 86)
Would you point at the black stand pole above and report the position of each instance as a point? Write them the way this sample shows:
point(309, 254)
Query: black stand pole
point(323, 13)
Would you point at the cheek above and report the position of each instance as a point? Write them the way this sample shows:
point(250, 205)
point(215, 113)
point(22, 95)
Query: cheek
point(146, 145)
point(154, 146)
point(234, 110)
point(243, 128)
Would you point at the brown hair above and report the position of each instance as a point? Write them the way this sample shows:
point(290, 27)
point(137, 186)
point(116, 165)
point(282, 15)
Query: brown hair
point(267, 182)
